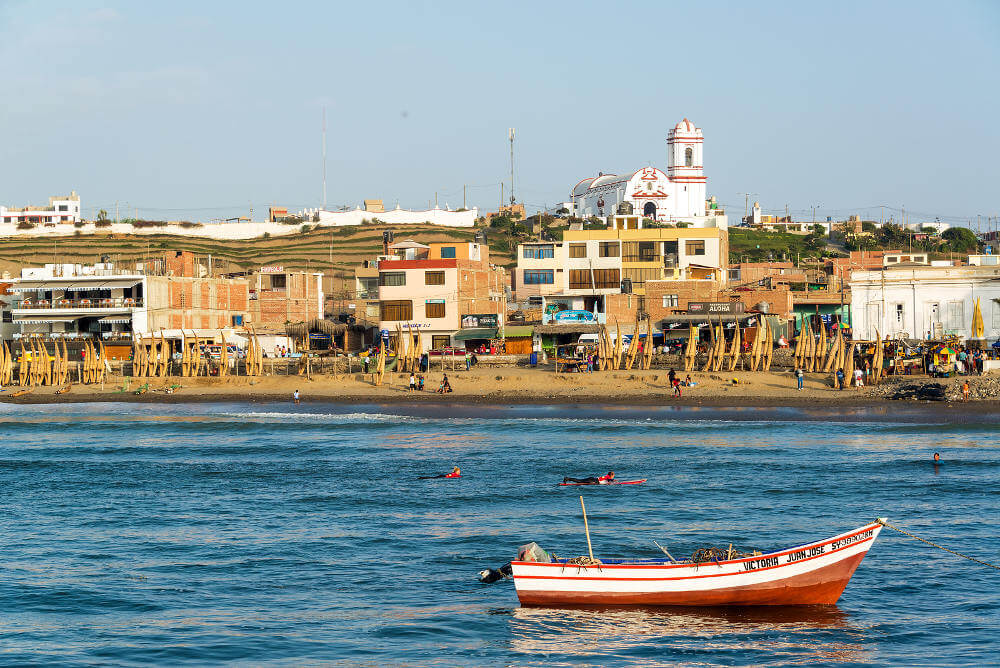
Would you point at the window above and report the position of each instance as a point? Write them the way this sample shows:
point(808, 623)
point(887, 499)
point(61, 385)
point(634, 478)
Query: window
point(688, 157)
point(63, 207)
point(433, 278)
point(640, 276)
point(608, 249)
point(278, 282)
point(694, 247)
point(578, 250)
point(401, 309)
point(392, 278)
point(447, 252)
point(598, 279)
point(543, 276)
point(538, 252)
point(434, 308)
point(899, 315)
point(440, 341)
point(956, 315)
point(368, 287)
point(669, 300)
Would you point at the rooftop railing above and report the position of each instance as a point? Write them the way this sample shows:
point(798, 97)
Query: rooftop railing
point(78, 303)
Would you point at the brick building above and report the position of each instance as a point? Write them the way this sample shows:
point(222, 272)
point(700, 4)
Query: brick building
point(278, 297)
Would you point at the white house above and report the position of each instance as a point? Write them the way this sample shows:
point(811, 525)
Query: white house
point(921, 301)
point(59, 210)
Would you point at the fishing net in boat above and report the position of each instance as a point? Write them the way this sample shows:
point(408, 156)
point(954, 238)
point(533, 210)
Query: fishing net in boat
point(583, 561)
point(706, 554)
point(532, 552)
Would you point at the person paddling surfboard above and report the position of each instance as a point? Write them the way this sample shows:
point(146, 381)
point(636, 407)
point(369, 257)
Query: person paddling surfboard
point(592, 480)
point(455, 473)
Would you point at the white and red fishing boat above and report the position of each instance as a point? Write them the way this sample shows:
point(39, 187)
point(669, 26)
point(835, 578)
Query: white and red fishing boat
point(811, 574)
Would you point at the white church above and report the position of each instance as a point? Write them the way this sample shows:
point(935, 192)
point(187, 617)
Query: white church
point(677, 196)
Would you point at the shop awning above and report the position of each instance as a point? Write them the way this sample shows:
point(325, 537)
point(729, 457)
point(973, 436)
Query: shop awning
point(75, 284)
point(115, 320)
point(45, 319)
point(518, 331)
point(475, 333)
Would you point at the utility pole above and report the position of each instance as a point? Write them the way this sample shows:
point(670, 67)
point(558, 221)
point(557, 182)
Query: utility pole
point(324, 158)
point(512, 167)
point(435, 199)
point(746, 207)
point(501, 196)
point(463, 196)
point(116, 211)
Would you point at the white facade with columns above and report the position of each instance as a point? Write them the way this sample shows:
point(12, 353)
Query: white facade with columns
point(671, 196)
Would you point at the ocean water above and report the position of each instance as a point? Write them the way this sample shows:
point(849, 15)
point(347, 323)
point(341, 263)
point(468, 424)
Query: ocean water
point(272, 534)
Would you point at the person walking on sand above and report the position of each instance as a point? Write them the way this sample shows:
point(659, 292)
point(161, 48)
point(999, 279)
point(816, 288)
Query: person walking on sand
point(295, 396)
point(420, 383)
point(965, 391)
point(840, 379)
point(799, 377)
point(671, 376)
point(676, 382)
point(859, 378)
point(413, 382)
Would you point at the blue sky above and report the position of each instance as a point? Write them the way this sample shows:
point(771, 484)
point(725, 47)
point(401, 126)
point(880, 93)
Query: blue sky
point(201, 109)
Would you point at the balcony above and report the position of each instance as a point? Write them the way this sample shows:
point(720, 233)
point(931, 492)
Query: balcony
point(75, 304)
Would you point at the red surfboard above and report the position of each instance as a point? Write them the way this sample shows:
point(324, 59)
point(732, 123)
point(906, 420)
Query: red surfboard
point(593, 484)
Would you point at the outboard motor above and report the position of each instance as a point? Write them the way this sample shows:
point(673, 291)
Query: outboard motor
point(491, 575)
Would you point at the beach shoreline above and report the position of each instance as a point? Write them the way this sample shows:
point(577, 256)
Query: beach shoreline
point(513, 387)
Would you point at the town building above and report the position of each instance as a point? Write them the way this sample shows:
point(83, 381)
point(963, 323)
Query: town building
point(785, 224)
point(279, 296)
point(921, 301)
point(447, 292)
point(60, 210)
point(588, 266)
point(109, 302)
point(671, 196)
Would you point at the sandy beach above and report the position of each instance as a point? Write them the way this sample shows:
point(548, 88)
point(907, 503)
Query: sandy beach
point(513, 386)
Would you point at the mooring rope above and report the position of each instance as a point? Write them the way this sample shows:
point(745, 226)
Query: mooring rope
point(940, 547)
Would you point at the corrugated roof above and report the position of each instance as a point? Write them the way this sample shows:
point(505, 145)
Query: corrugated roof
point(569, 328)
point(517, 331)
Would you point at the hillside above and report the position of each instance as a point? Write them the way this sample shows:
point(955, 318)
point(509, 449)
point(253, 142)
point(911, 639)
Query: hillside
point(335, 251)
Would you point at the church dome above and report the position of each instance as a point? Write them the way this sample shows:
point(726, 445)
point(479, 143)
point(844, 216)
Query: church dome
point(685, 126)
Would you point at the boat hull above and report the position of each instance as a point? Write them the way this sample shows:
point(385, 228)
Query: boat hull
point(812, 574)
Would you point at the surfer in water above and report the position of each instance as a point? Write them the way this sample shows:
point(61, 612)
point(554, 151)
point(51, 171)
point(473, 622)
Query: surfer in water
point(455, 473)
point(592, 480)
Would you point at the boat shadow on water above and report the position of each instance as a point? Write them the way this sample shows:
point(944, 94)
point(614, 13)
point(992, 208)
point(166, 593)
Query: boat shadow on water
point(813, 632)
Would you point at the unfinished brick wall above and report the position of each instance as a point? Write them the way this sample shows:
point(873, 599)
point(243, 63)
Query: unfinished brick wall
point(181, 264)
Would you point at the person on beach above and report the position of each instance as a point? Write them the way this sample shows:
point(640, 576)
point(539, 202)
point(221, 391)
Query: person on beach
point(593, 480)
point(295, 396)
point(413, 382)
point(965, 391)
point(799, 377)
point(840, 379)
point(859, 378)
point(671, 377)
point(445, 386)
point(420, 383)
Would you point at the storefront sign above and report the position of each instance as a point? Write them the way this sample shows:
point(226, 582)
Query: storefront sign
point(273, 269)
point(716, 308)
point(480, 320)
